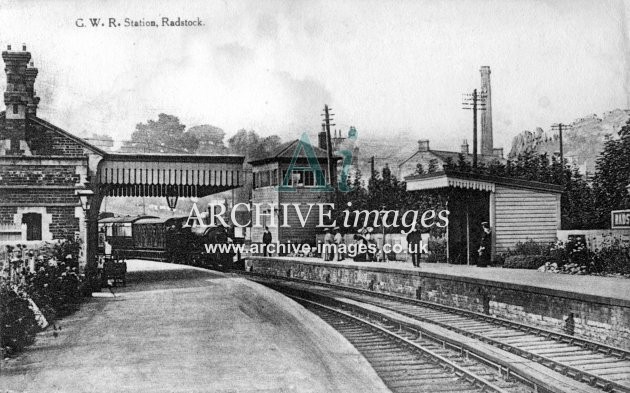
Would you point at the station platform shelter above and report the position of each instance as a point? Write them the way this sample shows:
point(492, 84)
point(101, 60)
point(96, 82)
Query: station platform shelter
point(517, 211)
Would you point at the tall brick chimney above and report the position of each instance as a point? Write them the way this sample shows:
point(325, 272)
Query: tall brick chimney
point(423, 145)
point(16, 100)
point(33, 100)
point(486, 115)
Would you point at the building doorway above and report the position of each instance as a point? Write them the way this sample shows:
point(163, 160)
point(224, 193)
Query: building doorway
point(468, 209)
point(33, 223)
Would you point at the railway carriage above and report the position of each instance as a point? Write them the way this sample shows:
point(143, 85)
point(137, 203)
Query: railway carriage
point(168, 240)
point(118, 232)
point(157, 238)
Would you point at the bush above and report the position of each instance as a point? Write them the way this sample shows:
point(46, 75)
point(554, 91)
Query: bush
point(54, 286)
point(531, 247)
point(526, 261)
point(18, 321)
point(437, 250)
point(613, 257)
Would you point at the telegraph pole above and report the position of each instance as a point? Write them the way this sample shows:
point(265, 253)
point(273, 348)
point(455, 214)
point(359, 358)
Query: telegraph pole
point(474, 102)
point(560, 127)
point(327, 118)
point(372, 167)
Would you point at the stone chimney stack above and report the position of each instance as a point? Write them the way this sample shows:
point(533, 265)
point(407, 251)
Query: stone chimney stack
point(465, 147)
point(16, 100)
point(423, 145)
point(33, 100)
point(486, 115)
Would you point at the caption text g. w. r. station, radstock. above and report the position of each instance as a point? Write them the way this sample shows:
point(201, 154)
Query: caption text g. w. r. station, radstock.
point(164, 21)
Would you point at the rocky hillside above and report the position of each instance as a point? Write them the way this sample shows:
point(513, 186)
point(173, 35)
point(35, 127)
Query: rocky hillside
point(583, 141)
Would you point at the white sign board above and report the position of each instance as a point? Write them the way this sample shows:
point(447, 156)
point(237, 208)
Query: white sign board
point(620, 219)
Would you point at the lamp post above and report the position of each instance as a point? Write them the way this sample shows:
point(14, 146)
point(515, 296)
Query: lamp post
point(85, 197)
point(172, 197)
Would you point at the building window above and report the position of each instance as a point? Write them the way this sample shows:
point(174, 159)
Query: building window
point(15, 109)
point(297, 178)
point(254, 180)
point(33, 223)
point(274, 177)
point(309, 178)
point(264, 179)
point(305, 178)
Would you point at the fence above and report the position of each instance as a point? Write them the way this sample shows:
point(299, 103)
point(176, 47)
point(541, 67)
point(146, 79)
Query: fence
point(595, 237)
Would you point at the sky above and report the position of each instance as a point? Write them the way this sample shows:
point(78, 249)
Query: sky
point(388, 68)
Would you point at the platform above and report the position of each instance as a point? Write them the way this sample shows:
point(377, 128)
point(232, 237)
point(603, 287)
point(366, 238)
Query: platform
point(599, 306)
point(611, 290)
point(181, 329)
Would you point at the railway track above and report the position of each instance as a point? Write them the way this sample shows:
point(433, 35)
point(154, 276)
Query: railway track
point(592, 363)
point(408, 362)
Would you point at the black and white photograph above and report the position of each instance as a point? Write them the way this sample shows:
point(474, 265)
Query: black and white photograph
point(315, 196)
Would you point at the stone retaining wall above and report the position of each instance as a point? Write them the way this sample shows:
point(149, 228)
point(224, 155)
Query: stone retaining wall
point(596, 318)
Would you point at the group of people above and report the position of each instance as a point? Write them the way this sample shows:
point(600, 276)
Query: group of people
point(332, 250)
point(335, 253)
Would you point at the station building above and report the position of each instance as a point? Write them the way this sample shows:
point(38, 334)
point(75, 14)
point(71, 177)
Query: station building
point(269, 172)
point(41, 166)
point(44, 170)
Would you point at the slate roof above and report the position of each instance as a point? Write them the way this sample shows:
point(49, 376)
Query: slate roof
point(444, 155)
point(505, 181)
point(285, 152)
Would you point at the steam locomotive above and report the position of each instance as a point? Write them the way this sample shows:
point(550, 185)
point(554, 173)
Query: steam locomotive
point(167, 240)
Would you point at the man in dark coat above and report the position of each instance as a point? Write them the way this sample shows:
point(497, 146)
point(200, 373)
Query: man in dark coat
point(486, 245)
point(413, 243)
point(266, 241)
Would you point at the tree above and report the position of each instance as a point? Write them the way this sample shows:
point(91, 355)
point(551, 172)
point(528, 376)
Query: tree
point(164, 135)
point(251, 145)
point(578, 203)
point(433, 166)
point(419, 169)
point(210, 139)
point(612, 176)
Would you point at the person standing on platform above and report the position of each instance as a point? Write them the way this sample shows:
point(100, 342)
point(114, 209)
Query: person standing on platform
point(338, 242)
point(369, 241)
point(328, 241)
point(413, 245)
point(486, 245)
point(266, 241)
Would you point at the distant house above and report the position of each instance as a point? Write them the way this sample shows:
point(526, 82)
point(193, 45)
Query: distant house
point(434, 160)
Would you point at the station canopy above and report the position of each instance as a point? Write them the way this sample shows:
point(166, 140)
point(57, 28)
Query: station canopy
point(472, 181)
point(164, 175)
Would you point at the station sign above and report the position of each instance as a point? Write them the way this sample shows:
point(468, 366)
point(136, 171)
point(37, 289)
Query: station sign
point(620, 219)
